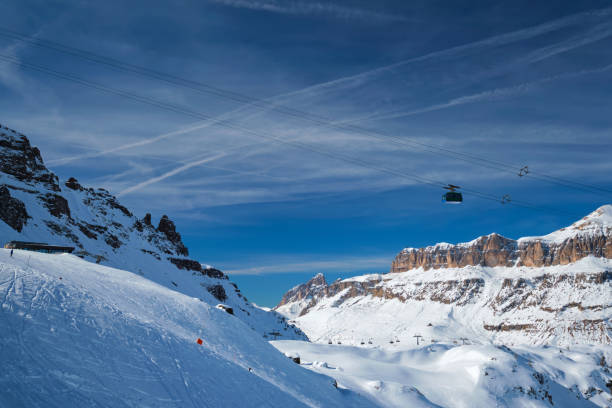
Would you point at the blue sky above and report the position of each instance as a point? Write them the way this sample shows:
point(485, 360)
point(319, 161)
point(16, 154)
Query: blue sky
point(377, 85)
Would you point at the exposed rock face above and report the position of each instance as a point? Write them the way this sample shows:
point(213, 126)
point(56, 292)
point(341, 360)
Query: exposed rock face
point(585, 237)
point(214, 273)
point(73, 184)
point(191, 265)
point(56, 204)
point(166, 226)
point(12, 211)
point(309, 294)
point(23, 161)
point(218, 292)
point(314, 287)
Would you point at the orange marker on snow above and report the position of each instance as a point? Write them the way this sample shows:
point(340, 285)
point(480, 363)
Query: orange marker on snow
point(199, 341)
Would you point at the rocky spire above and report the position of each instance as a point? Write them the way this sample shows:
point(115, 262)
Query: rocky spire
point(22, 161)
point(315, 286)
point(167, 227)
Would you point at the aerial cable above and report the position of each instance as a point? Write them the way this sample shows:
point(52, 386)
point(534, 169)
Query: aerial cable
point(227, 123)
point(317, 119)
point(262, 103)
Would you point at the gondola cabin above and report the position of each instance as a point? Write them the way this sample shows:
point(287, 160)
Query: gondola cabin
point(452, 197)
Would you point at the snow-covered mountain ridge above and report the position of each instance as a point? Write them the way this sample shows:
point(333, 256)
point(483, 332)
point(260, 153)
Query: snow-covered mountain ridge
point(36, 206)
point(505, 301)
point(590, 236)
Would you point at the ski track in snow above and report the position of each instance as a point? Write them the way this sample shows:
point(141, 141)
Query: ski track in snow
point(102, 337)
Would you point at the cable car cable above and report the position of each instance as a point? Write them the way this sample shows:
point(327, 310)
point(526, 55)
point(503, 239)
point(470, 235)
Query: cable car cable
point(319, 120)
point(228, 124)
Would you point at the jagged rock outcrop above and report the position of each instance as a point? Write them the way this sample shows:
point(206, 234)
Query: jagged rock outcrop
point(12, 210)
point(56, 204)
point(583, 238)
point(313, 288)
point(218, 292)
point(167, 227)
point(191, 265)
point(22, 161)
point(73, 184)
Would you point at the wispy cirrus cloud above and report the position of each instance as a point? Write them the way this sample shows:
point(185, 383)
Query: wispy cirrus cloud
point(352, 263)
point(313, 8)
point(488, 95)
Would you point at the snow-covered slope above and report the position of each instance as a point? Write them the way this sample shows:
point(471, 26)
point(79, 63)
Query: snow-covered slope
point(77, 334)
point(36, 206)
point(564, 304)
point(464, 376)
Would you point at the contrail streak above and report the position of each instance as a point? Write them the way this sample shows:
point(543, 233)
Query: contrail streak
point(494, 41)
point(311, 7)
point(169, 174)
point(283, 99)
point(481, 96)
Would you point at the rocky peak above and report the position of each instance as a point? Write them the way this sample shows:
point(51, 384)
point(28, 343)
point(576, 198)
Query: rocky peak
point(147, 219)
point(22, 161)
point(317, 285)
point(317, 280)
point(167, 227)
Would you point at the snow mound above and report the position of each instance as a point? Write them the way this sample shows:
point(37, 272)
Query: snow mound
point(447, 375)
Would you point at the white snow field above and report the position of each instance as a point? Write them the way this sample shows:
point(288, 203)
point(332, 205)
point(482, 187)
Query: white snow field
point(77, 334)
point(463, 376)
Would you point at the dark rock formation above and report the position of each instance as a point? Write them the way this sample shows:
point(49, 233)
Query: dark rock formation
point(214, 273)
point(12, 211)
point(73, 184)
point(56, 204)
point(218, 292)
point(188, 264)
point(147, 220)
point(113, 203)
point(113, 241)
point(167, 227)
point(23, 161)
point(191, 265)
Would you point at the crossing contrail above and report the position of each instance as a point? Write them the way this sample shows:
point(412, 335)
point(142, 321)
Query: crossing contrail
point(282, 99)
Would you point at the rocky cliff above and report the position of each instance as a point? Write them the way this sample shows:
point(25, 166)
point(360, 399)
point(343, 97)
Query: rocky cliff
point(36, 206)
point(555, 289)
point(591, 236)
